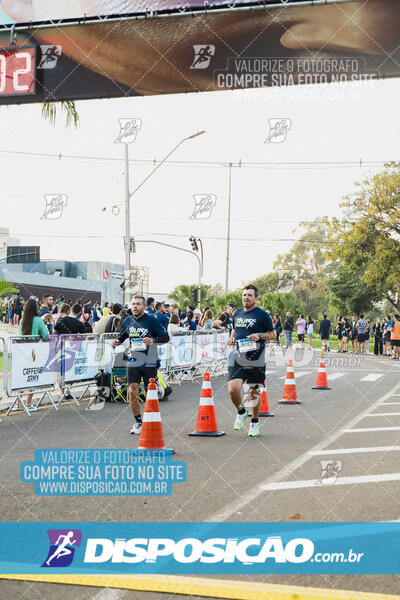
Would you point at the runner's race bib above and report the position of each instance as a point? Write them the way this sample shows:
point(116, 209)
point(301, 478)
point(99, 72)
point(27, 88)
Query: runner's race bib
point(137, 345)
point(246, 345)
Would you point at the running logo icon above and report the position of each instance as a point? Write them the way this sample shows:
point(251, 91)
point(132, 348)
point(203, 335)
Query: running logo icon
point(202, 56)
point(128, 129)
point(50, 56)
point(55, 204)
point(62, 547)
point(330, 469)
point(278, 130)
point(203, 205)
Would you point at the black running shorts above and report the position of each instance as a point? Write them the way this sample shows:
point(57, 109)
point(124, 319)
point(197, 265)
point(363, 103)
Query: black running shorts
point(250, 375)
point(135, 374)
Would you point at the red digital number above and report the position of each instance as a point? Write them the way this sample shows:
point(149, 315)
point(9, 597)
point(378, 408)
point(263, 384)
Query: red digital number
point(17, 71)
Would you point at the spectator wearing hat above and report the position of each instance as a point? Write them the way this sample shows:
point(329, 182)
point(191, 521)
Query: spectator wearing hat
point(197, 316)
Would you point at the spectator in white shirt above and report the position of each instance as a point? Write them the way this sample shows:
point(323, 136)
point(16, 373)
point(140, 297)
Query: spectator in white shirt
point(174, 325)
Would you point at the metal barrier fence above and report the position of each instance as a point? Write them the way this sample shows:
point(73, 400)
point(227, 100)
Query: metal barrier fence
point(186, 355)
point(80, 363)
point(32, 369)
point(69, 361)
point(41, 366)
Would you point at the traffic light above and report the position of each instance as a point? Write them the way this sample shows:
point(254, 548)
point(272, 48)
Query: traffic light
point(195, 295)
point(194, 244)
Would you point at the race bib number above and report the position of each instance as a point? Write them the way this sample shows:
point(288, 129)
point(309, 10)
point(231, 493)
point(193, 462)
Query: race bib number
point(247, 345)
point(137, 345)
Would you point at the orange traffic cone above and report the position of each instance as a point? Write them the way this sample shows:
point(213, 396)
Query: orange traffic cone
point(321, 382)
point(151, 437)
point(264, 406)
point(289, 389)
point(206, 419)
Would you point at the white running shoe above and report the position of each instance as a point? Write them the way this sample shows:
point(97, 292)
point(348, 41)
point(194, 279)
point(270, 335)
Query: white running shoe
point(240, 419)
point(254, 429)
point(136, 428)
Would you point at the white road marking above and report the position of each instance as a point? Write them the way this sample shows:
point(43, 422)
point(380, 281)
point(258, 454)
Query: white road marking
point(298, 374)
point(384, 415)
point(372, 377)
point(109, 594)
point(355, 450)
point(367, 429)
point(292, 485)
point(333, 376)
point(391, 404)
point(239, 503)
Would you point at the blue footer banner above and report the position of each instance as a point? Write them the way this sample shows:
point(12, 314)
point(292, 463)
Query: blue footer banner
point(199, 548)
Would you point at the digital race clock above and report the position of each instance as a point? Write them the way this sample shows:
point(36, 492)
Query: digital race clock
point(17, 71)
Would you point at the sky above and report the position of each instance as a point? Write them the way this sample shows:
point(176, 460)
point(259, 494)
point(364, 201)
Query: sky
point(346, 122)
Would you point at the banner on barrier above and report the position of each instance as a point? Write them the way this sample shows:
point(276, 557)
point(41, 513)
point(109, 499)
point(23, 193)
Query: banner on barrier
point(80, 359)
point(181, 351)
point(29, 360)
point(163, 356)
point(182, 347)
point(109, 353)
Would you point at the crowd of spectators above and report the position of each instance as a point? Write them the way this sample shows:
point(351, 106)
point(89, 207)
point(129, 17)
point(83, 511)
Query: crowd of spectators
point(60, 316)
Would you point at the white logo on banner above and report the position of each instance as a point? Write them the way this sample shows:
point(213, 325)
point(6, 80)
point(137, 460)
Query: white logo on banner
point(202, 56)
point(50, 56)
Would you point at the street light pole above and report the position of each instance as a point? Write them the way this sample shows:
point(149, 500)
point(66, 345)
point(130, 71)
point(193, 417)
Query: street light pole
point(127, 229)
point(228, 235)
point(200, 272)
point(128, 197)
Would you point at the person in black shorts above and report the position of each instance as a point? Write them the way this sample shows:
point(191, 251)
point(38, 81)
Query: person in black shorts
point(252, 326)
point(144, 333)
point(324, 331)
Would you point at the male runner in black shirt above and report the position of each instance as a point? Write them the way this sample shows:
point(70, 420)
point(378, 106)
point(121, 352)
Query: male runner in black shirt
point(144, 333)
point(252, 326)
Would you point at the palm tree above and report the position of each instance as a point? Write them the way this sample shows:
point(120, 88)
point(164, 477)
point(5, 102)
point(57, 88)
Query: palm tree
point(6, 289)
point(49, 111)
point(182, 295)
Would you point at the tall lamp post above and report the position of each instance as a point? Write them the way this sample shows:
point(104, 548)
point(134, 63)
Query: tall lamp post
point(228, 234)
point(128, 196)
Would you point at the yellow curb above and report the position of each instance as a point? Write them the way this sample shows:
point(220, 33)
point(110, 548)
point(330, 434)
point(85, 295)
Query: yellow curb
point(210, 588)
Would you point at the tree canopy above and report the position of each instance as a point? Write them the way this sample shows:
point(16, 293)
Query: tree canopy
point(368, 242)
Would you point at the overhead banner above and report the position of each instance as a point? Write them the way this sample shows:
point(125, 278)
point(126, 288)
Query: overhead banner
point(39, 11)
point(184, 50)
